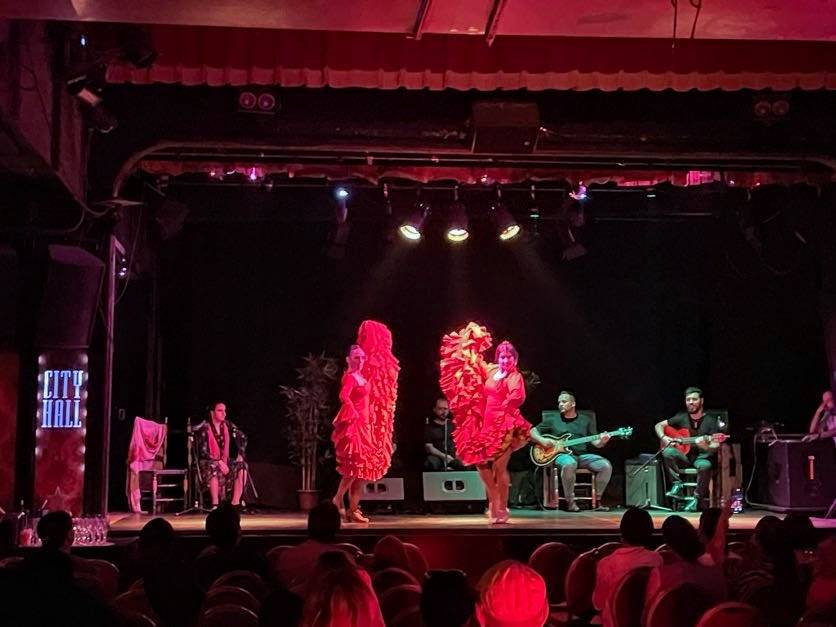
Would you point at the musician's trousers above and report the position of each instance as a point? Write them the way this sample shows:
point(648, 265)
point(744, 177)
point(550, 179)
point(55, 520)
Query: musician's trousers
point(570, 463)
point(676, 460)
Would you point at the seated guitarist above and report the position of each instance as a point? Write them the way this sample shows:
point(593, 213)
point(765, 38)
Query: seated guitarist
point(701, 455)
point(579, 424)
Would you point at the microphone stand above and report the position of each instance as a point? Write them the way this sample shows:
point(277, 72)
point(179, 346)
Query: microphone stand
point(193, 474)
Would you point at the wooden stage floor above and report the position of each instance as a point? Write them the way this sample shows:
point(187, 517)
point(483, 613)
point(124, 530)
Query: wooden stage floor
point(522, 522)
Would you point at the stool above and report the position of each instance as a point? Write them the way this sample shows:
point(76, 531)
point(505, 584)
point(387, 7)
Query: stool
point(553, 488)
point(163, 486)
point(689, 487)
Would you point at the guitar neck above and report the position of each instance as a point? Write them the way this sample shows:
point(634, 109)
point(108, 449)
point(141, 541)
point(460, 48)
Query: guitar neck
point(584, 439)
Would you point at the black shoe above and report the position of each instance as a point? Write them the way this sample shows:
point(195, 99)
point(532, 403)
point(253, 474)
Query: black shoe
point(571, 506)
point(675, 490)
point(601, 508)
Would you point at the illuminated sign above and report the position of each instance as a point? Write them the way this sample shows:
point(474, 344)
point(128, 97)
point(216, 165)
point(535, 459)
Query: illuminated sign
point(62, 398)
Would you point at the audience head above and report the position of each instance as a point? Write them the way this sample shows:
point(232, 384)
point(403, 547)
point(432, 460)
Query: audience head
point(512, 595)
point(800, 531)
point(389, 552)
point(708, 522)
point(324, 522)
point(447, 599)
point(342, 598)
point(825, 565)
point(55, 530)
point(223, 525)
point(636, 527)
point(156, 538)
point(682, 538)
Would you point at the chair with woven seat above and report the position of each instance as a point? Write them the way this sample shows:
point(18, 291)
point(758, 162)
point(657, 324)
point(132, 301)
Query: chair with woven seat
point(626, 604)
point(230, 595)
point(552, 561)
point(733, 614)
point(395, 600)
point(245, 579)
point(682, 606)
point(584, 478)
point(228, 616)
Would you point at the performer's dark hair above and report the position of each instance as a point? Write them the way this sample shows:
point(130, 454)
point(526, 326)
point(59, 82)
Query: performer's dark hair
point(693, 390)
point(353, 347)
point(682, 538)
point(211, 406)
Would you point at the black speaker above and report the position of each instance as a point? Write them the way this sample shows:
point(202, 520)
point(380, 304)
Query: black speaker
point(9, 287)
point(644, 487)
point(505, 127)
point(70, 298)
point(795, 476)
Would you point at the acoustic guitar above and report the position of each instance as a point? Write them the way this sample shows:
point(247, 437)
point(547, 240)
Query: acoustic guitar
point(542, 456)
point(683, 439)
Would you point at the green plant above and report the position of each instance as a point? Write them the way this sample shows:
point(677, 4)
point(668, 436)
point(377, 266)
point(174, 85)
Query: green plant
point(308, 406)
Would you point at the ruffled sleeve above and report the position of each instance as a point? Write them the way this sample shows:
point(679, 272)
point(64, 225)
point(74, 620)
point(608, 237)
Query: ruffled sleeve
point(516, 390)
point(346, 386)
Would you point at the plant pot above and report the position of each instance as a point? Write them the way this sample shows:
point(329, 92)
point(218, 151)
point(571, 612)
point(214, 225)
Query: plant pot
point(308, 499)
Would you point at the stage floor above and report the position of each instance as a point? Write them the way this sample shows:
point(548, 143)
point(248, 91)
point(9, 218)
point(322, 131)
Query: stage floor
point(522, 522)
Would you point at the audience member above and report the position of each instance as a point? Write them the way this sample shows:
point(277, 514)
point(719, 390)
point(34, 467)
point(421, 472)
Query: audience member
point(225, 553)
point(389, 552)
point(447, 599)
point(512, 595)
point(685, 542)
point(822, 592)
point(636, 533)
point(342, 598)
point(280, 608)
point(296, 564)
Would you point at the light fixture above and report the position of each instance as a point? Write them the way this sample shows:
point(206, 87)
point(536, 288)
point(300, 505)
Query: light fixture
point(122, 268)
point(579, 192)
point(457, 222)
point(412, 228)
point(506, 226)
point(341, 194)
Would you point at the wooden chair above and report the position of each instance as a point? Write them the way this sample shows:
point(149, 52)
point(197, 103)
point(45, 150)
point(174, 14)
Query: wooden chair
point(108, 574)
point(552, 561)
point(228, 616)
point(391, 577)
point(246, 579)
point(230, 595)
point(396, 600)
point(681, 606)
point(626, 604)
point(733, 614)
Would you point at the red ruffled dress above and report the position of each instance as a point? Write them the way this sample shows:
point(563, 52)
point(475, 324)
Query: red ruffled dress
point(485, 410)
point(364, 425)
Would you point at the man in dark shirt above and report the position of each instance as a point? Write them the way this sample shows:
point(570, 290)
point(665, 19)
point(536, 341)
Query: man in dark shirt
point(579, 424)
point(438, 439)
point(703, 452)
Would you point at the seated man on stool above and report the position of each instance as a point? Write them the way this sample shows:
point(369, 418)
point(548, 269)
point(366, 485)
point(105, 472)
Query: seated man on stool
point(438, 440)
point(702, 455)
point(579, 424)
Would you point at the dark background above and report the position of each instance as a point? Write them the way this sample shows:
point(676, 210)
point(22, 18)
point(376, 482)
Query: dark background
point(252, 284)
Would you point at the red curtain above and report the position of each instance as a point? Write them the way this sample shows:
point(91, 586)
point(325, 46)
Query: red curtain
point(235, 56)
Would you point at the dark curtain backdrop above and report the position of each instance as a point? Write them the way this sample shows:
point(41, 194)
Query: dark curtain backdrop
point(654, 307)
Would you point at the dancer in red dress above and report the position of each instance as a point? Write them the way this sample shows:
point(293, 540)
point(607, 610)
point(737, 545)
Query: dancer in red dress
point(363, 427)
point(485, 400)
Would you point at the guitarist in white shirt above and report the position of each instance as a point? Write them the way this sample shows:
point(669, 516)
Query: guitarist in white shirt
point(578, 424)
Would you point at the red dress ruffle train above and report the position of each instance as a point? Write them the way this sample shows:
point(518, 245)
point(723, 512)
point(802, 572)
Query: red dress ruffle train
point(364, 425)
point(485, 411)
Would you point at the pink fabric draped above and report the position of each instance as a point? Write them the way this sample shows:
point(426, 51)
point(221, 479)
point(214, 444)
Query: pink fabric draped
point(147, 439)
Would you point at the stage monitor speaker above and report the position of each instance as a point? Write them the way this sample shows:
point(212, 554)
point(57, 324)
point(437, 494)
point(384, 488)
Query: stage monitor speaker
point(9, 287)
point(644, 487)
point(453, 485)
point(70, 298)
point(387, 489)
point(505, 127)
point(794, 475)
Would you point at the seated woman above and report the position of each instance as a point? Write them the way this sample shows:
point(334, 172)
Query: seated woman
point(222, 467)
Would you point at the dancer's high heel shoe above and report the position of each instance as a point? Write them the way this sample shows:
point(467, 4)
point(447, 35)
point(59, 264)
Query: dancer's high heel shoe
point(355, 515)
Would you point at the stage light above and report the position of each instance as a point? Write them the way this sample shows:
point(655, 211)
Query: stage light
point(84, 86)
point(122, 268)
point(253, 175)
point(457, 221)
point(506, 226)
point(412, 228)
point(341, 193)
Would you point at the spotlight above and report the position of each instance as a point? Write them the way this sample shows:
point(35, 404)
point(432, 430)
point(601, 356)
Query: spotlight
point(253, 176)
point(506, 226)
point(457, 222)
point(412, 228)
point(341, 193)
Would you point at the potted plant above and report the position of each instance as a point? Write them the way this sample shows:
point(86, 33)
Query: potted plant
point(309, 414)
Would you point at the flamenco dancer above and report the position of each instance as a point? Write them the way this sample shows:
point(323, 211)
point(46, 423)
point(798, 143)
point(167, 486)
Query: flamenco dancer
point(363, 426)
point(485, 400)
